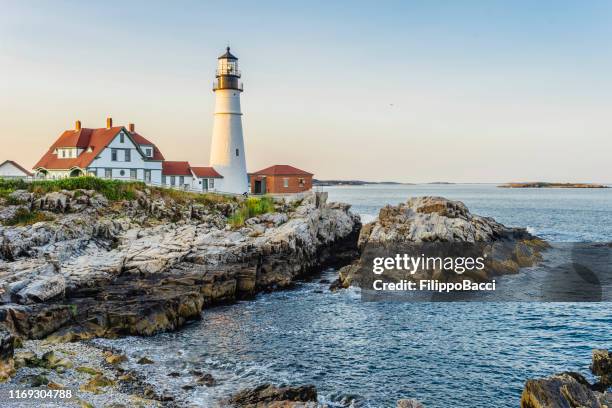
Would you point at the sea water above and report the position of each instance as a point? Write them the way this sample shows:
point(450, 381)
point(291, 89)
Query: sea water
point(364, 354)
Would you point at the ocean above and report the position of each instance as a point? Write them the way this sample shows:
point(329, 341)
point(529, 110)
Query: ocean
point(370, 354)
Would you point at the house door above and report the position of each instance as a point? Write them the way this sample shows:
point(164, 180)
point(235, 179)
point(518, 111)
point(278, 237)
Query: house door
point(260, 186)
point(204, 184)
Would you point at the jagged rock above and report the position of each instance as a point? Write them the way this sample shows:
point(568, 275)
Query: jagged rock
point(440, 227)
point(21, 196)
point(268, 396)
point(409, 403)
point(206, 379)
point(602, 367)
point(7, 364)
point(122, 270)
point(42, 289)
point(145, 360)
point(564, 390)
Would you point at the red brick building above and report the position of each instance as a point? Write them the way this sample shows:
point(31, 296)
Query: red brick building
point(279, 179)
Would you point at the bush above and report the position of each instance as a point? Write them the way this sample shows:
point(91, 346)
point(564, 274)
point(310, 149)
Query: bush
point(251, 207)
point(113, 190)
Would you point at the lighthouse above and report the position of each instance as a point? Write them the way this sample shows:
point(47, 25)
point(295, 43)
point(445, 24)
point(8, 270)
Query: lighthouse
point(227, 153)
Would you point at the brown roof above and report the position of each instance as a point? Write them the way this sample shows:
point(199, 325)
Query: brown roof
point(208, 172)
point(176, 168)
point(97, 139)
point(16, 165)
point(141, 140)
point(281, 170)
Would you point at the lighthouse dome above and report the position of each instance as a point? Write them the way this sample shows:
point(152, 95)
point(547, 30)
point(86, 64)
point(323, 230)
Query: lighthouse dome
point(228, 55)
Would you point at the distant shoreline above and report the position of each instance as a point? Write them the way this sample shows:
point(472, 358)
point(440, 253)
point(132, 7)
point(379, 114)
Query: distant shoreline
point(535, 184)
point(324, 183)
point(552, 185)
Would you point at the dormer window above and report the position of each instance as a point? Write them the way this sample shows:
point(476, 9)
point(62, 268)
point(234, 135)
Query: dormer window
point(121, 137)
point(149, 152)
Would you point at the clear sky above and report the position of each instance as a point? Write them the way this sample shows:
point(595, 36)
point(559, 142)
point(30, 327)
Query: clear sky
point(413, 91)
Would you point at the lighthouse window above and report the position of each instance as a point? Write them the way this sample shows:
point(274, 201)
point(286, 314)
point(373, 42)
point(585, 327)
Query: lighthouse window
point(237, 152)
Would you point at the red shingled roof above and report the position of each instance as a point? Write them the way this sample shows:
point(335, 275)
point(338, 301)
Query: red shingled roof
point(281, 170)
point(207, 172)
point(141, 140)
point(176, 168)
point(97, 139)
point(16, 165)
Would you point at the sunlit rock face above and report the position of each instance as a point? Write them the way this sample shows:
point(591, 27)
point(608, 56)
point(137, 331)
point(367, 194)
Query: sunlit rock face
point(141, 266)
point(440, 227)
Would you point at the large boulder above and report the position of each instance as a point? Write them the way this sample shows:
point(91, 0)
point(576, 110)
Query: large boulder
point(41, 289)
point(269, 396)
point(601, 367)
point(564, 390)
point(438, 227)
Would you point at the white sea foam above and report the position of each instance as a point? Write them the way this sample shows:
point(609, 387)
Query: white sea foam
point(365, 218)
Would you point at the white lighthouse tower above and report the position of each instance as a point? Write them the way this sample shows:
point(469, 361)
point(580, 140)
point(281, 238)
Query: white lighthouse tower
point(227, 153)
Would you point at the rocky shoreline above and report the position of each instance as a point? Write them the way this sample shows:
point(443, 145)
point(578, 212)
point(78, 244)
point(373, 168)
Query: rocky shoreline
point(93, 267)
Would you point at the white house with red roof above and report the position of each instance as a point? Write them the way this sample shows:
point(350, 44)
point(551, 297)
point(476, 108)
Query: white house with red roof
point(116, 152)
point(12, 170)
point(111, 152)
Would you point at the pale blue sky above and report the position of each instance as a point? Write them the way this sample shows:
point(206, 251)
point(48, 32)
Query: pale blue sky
point(480, 91)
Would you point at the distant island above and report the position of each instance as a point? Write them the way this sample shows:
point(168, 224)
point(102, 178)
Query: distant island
point(324, 183)
point(539, 184)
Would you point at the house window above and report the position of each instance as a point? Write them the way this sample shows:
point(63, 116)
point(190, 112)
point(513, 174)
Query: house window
point(302, 182)
point(128, 155)
point(121, 138)
point(286, 182)
point(147, 176)
point(181, 180)
point(108, 173)
point(63, 153)
point(164, 180)
point(149, 152)
point(237, 152)
point(173, 180)
point(133, 174)
point(113, 154)
point(211, 183)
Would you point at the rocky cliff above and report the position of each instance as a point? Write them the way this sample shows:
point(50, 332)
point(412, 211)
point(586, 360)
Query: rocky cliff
point(95, 267)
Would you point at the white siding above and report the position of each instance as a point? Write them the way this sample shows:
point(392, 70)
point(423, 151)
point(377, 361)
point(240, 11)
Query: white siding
point(8, 169)
point(105, 161)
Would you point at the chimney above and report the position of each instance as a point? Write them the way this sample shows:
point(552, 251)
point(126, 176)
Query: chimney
point(131, 127)
point(109, 123)
point(77, 125)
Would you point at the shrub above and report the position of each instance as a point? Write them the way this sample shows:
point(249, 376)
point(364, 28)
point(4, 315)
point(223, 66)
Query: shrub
point(251, 207)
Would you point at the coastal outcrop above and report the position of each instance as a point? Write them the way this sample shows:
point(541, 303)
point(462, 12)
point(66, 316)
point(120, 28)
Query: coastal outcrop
point(100, 267)
point(437, 227)
point(570, 389)
point(270, 396)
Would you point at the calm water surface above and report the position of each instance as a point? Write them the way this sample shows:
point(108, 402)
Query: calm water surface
point(371, 354)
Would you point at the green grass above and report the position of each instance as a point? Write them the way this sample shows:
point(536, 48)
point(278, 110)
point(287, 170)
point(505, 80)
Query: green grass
point(251, 207)
point(114, 190)
point(23, 217)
